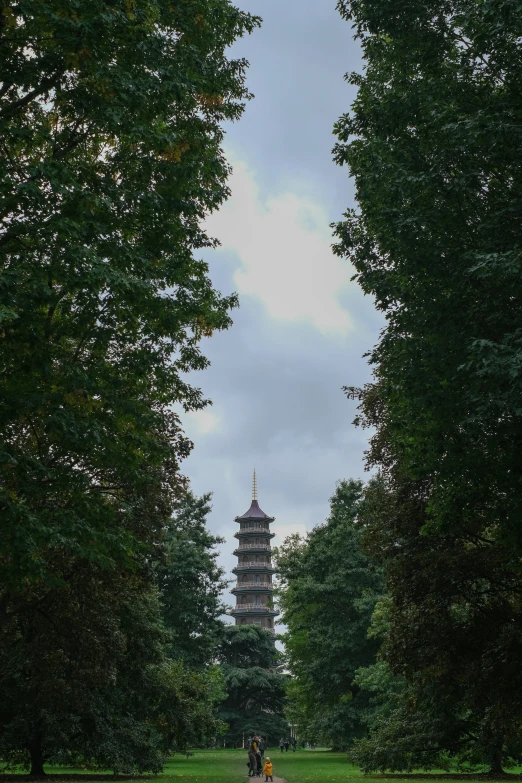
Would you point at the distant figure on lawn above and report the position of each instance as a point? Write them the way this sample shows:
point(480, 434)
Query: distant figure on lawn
point(287, 744)
point(281, 744)
point(294, 744)
point(268, 769)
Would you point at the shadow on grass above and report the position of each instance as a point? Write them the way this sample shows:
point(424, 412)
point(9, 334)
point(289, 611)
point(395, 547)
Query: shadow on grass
point(72, 776)
point(445, 776)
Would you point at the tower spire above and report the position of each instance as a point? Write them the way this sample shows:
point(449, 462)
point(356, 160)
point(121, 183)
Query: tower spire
point(254, 486)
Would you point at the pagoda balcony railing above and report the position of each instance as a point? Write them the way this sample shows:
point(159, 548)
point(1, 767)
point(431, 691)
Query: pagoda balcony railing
point(254, 565)
point(264, 547)
point(253, 586)
point(252, 529)
point(254, 608)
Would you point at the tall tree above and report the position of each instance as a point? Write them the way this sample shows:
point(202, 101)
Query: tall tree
point(434, 142)
point(85, 679)
point(111, 118)
point(110, 130)
point(328, 591)
point(191, 583)
point(254, 684)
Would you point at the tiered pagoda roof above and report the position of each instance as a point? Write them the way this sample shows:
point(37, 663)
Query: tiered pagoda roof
point(254, 570)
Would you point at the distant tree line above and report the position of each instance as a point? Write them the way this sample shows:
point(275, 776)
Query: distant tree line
point(434, 143)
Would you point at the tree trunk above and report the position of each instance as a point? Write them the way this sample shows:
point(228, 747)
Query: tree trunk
point(496, 763)
point(37, 759)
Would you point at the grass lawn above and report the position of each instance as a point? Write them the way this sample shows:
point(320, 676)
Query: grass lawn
point(303, 766)
point(207, 766)
point(204, 766)
point(312, 766)
point(229, 766)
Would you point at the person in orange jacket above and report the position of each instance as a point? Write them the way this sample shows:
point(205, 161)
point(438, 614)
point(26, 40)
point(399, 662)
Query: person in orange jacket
point(267, 769)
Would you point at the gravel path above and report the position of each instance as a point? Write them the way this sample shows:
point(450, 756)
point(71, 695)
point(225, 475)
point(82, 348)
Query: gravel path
point(276, 779)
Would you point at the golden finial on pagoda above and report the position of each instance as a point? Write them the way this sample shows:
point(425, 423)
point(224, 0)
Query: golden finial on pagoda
point(254, 486)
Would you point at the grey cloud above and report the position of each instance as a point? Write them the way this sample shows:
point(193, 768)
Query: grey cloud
point(297, 64)
point(277, 389)
point(277, 385)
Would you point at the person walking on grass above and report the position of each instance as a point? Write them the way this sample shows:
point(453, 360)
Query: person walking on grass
point(294, 744)
point(268, 769)
point(287, 744)
point(281, 744)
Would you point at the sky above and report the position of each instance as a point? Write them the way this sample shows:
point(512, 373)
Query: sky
point(303, 326)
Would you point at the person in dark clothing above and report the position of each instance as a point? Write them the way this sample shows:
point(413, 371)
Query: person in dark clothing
point(294, 743)
point(252, 758)
point(262, 746)
point(281, 744)
point(287, 744)
point(255, 748)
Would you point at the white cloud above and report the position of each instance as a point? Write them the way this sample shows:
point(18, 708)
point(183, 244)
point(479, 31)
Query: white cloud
point(202, 422)
point(284, 247)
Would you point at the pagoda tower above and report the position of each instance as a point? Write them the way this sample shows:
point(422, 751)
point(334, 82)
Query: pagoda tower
point(254, 571)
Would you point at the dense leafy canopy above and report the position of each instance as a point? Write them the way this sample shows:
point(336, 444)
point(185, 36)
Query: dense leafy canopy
point(191, 583)
point(328, 592)
point(255, 686)
point(434, 145)
point(453, 637)
point(111, 116)
point(434, 142)
point(110, 130)
point(85, 679)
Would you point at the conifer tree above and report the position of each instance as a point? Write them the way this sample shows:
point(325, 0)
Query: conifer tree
point(254, 685)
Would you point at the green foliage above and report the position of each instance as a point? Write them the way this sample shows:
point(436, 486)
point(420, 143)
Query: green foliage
point(191, 583)
point(110, 127)
point(328, 591)
point(434, 143)
point(453, 631)
point(412, 724)
point(111, 119)
point(254, 685)
point(85, 680)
